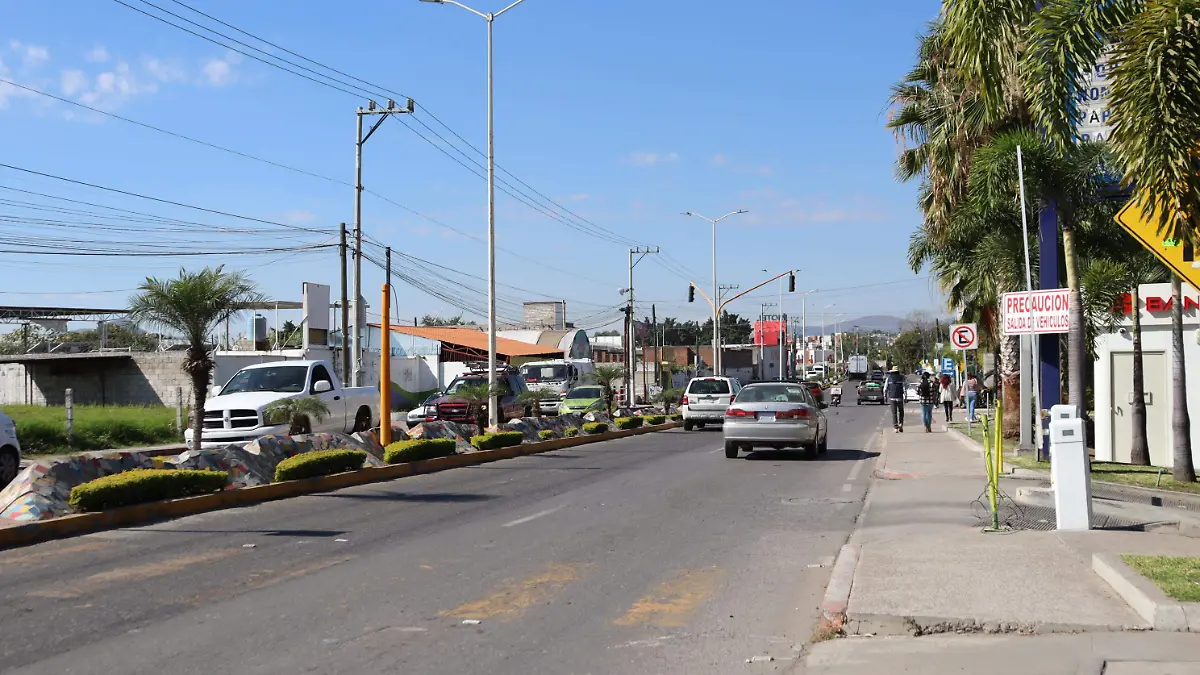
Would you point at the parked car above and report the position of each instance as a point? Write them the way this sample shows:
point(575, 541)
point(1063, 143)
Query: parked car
point(775, 415)
point(582, 399)
point(453, 409)
point(234, 413)
point(556, 377)
point(10, 450)
point(705, 400)
point(870, 391)
point(815, 389)
point(424, 412)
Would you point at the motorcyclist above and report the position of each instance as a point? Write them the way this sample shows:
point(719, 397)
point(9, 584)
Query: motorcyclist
point(893, 393)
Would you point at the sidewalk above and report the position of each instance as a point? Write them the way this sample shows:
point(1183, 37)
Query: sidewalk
point(925, 567)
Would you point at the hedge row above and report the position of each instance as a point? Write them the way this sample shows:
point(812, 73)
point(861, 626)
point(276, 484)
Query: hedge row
point(417, 449)
point(319, 463)
point(653, 420)
point(499, 439)
point(595, 427)
point(624, 423)
point(571, 432)
point(139, 486)
point(675, 417)
point(546, 434)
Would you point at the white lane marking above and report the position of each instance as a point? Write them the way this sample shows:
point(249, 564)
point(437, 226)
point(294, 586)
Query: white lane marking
point(854, 470)
point(847, 487)
point(717, 450)
point(526, 519)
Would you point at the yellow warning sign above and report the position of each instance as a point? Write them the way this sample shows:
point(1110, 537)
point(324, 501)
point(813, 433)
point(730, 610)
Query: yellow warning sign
point(1178, 255)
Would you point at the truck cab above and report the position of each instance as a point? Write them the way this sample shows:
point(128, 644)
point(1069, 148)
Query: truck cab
point(555, 377)
point(454, 409)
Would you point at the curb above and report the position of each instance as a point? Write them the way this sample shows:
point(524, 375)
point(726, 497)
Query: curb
point(85, 523)
point(837, 593)
point(1161, 612)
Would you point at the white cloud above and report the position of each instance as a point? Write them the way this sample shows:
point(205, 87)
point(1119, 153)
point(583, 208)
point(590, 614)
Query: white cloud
point(718, 159)
point(219, 72)
point(98, 54)
point(299, 217)
point(578, 197)
point(164, 71)
point(73, 81)
point(31, 55)
point(640, 158)
point(112, 88)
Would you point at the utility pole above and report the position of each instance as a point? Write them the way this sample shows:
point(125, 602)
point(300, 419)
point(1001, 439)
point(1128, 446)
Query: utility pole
point(641, 252)
point(658, 359)
point(360, 139)
point(762, 347)
point(716, 288)
point(345, 308)
point(717, 325)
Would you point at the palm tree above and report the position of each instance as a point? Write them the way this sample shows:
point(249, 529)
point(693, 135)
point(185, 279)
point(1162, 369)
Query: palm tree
point(1141, 268)
point(298, 412)
point(607, 376)
point(668, 396)
point(194, 304)
point(1182, 468)
point(478, 397)
point(533, 399)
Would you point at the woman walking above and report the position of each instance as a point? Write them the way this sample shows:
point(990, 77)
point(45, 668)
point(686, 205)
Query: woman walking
point(946, 395)
point(970, 391)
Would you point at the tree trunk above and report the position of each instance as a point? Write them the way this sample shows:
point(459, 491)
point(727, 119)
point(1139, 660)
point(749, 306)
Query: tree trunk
point(1009, 381)
point(1181, 423)
point(199, 395)
point(1077, 335)
point(1139, 453)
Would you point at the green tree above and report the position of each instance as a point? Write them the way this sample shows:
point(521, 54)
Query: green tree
point(668, 397)
point(431, 320)
point(297, 412)
point(477, 397)
point(532, 398)
point(607, 377)
point(193, 305)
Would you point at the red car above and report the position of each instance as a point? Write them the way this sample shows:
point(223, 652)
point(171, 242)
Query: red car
point(815, 389)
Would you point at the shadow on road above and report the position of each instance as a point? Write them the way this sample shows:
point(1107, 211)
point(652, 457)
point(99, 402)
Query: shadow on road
point(266, 533)
point(797, 455)
point(432, 497)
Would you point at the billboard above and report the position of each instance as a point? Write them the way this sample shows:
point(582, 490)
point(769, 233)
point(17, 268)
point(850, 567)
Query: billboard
point(767, 332)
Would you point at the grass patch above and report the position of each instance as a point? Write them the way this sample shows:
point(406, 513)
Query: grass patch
point(319, 463)
point(144, 485)
point(43, 430)
point(1010, 444)
point(499, 439)
point(1179, 578)
point(417, 449)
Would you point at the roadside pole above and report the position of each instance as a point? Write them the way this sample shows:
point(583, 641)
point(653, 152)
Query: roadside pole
point(385, 366)
point(69, 397)
point(345, 308)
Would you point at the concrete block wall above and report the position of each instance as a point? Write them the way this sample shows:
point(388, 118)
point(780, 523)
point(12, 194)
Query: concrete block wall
point(149, 378)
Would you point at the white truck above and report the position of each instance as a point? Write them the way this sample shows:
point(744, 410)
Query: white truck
point(234, 412)
point(554, 378)
point(857, 367)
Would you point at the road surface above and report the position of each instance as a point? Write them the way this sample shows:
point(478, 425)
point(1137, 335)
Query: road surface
point(651, 554)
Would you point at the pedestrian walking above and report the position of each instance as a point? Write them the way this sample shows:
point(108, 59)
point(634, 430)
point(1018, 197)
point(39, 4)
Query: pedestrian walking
point(927, 391)
point(893, 393)
point(970, 392)
point(946, 395)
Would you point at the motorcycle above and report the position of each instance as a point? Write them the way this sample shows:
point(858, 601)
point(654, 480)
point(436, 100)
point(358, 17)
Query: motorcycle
point(835, 396)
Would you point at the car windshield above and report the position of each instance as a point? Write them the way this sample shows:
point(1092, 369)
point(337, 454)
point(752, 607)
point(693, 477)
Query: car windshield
point(282, 379)
point(583, 393)
point(772, 394)
point(712, 386)
point(544, 373)
point(461, 382)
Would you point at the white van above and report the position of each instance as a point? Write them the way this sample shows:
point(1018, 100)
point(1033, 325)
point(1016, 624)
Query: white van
point(10, 450)
point(555, 377)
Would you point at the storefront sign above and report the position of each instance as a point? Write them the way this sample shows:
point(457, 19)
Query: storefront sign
point(1154, 304)
point(1037, 312)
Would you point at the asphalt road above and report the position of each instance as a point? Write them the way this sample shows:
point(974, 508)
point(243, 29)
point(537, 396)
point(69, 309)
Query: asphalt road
point(652, 554)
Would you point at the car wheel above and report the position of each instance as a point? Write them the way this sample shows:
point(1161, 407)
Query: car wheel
point(731, 450)
point(810, 451)
point(687, 425)
point(860, 402)
point(10, 466)
point(824, 446)
point(362, 421)
point(699, 425)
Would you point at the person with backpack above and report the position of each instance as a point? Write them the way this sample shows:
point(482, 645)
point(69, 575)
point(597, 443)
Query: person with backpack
point(893, 393)
point(927, 391)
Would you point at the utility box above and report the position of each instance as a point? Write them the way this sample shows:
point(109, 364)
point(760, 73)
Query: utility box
point(1070, 470)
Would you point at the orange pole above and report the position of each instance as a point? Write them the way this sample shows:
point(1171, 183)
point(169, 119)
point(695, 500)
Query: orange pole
point(385, 371)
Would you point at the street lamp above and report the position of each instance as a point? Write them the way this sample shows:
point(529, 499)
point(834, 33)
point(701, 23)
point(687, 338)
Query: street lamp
point(839, 351)
point(804, 324)
point(716, 343)
point(493, 413)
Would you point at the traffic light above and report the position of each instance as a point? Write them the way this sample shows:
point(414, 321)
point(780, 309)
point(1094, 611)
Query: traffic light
point(691, 293)
point(791, 282)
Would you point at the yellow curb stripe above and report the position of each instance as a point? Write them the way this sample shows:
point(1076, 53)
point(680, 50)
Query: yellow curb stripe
point(128, 516)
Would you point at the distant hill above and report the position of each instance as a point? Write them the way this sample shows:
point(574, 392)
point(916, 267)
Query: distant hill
point(890, 324)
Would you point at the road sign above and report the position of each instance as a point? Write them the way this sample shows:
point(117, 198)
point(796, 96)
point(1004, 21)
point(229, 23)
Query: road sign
point(964, 336)
point(1179, 256)
point(947, 366)
point(1047, 311)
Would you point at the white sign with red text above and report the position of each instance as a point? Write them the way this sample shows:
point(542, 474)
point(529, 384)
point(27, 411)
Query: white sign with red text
point(964, 336)
point(1038, 312)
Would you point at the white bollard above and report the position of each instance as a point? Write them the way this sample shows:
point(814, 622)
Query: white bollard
point(1071, 473)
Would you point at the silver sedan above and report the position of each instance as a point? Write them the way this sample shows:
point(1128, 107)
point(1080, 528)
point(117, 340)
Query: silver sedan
point(775, 415)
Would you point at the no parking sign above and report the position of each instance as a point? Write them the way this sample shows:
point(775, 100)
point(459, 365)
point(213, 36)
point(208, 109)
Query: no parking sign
point(964, 336)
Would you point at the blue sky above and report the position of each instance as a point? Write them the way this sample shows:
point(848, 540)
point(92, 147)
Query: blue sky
point(626, 113)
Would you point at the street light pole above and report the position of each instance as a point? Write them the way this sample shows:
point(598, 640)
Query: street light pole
point(716, 342)
point(493, 413)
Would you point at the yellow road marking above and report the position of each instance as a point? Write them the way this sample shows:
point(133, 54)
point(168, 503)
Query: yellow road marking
point(673, 602)
point(38, 556)
point(513, 598)
point(101, 580)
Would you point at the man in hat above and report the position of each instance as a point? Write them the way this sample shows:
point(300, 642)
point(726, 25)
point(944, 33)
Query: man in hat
point(928, 392)
point(893, 393)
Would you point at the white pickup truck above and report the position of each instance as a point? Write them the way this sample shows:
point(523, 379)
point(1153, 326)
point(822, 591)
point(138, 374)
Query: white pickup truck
point(233, 414)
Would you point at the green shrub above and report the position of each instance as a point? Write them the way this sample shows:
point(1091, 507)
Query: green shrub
point(139, 486)
point(417, 449)
point(595, 427)
point(654, 420)
point(571, 432)
point(545, 434)
point(675, 417)
point(43, 429)
point(628, 422)
point(499, 439)
point(319, 463)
